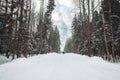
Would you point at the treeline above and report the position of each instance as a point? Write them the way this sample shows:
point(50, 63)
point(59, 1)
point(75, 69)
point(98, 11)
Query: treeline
point(49, 40)
point(18, 33)
point(96, 29)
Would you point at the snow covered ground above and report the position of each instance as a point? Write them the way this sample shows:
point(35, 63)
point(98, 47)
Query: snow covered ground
point(60, 67)
point(3, 59)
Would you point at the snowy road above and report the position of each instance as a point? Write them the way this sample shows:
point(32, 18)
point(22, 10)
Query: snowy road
point(60, 67)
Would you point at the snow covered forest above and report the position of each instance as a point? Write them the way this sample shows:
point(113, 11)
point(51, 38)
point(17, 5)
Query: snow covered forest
point(95, 29)
point(59, 39)
point(24, 32)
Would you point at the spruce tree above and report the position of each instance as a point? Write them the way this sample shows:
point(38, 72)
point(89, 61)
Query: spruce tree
point(47, 26)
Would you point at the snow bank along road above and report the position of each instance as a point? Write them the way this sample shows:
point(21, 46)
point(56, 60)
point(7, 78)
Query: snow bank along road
point(60, 67)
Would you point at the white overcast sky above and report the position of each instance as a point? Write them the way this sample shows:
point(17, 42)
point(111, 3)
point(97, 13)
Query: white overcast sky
point(62, 17)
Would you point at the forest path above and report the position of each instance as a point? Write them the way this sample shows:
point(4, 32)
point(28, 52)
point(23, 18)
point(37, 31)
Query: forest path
point(59, 67)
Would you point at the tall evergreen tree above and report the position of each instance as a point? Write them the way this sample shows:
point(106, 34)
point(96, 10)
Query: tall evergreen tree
point(97, 46)
point(68, 46)
point(57, 42)
point(47, 26)
point(75, 33)
point(54, 40)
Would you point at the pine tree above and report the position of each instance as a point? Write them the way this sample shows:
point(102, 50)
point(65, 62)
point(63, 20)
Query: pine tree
point(97, 36)
point(47, 26)
point(56, 44)
point(75, 33)
point(39, 37)
point(68, 46)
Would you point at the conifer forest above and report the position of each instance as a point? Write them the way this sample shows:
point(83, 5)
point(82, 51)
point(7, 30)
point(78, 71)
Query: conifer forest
point(59, 39)
point(95, 29)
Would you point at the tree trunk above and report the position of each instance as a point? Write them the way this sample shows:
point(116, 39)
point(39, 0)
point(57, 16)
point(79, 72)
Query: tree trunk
point(113, 51)
point(104, 34)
